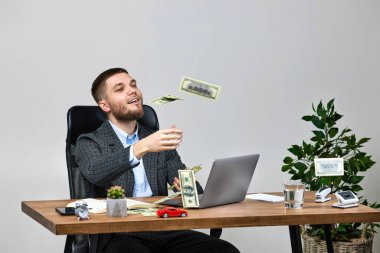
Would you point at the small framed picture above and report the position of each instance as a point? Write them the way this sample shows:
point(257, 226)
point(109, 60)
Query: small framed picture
point(329, 167)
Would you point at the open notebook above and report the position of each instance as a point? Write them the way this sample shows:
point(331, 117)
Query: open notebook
point(100, 205)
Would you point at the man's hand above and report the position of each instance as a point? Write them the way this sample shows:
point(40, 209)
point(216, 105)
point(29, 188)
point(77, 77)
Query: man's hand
point(165, 139)
point(177, 184)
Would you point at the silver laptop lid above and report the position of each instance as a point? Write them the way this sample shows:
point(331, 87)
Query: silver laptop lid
point(229, 180)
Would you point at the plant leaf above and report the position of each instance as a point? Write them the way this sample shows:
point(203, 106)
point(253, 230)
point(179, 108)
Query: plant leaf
point(317, 122)
point(320, 109)
point(338, 151)
point(307, 118)
point(363, 140)
point(319, 134)
point(333, 131)
point(296, 150)
point(288, 160)
point(337, 116)
point(307, 148)
point(346, 130)
point(301, 167)
point(356, 188)
point(286, 167)
point(330, 104)
point(356, 179)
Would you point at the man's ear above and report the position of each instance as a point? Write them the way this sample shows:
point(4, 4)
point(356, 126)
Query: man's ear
point(104, 106)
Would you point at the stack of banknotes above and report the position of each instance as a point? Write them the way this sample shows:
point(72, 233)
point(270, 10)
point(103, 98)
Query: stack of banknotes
point(188, 189)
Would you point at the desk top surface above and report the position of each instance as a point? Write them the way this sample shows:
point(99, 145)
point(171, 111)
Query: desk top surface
point(248, 213)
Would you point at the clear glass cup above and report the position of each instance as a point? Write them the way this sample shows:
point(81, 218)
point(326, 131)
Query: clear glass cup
point(294, 194)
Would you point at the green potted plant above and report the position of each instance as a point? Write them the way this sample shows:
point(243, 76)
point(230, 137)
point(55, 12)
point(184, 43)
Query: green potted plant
point(116, 202)
point(328, 141)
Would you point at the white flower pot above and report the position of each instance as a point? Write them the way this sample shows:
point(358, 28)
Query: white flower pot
point(117, 207)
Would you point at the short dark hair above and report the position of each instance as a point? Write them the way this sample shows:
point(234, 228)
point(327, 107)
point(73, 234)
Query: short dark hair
point(97, 89)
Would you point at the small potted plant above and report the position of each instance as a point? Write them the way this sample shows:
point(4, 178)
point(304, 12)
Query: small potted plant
point(116, 202)
point(328, 141)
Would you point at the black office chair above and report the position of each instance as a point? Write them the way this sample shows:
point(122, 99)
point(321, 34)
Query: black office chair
point(86, 119)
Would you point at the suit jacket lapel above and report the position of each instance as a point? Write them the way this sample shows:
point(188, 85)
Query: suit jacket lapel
point(113, 142)
point(111, 138)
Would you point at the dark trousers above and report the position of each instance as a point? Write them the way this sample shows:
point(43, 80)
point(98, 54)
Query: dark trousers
point(184, 241)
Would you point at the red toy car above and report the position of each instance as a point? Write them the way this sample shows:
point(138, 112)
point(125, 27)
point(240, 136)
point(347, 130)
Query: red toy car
point(171, 212)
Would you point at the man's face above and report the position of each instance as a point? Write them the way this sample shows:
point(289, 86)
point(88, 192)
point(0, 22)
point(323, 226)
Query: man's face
point(122, 100)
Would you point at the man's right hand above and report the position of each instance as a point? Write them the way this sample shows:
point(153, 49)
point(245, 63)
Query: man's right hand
point(165, 139)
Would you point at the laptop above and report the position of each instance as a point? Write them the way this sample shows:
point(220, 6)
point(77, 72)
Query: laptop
point(227, 183)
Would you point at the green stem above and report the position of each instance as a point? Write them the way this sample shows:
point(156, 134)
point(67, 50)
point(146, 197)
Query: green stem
point(326, 139)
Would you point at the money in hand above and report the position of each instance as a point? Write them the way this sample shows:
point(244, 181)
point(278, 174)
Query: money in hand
point(200, 88)
point(165, 99)
point(188, 188)
point(195, 169)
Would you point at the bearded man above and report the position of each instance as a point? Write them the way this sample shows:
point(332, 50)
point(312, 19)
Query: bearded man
point(123, 152)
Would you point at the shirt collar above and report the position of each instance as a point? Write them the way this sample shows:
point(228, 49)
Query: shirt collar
point(123, 135)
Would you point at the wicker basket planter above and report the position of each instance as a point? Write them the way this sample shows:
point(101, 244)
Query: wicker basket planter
point(311, 245)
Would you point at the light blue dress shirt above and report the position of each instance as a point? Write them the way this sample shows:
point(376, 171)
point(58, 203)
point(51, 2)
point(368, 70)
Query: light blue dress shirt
point(141, 187)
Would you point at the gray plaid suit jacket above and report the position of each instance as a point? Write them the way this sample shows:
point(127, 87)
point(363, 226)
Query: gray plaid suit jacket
point(104, 162)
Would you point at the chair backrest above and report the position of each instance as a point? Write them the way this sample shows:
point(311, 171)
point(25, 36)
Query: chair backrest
point(86, 119)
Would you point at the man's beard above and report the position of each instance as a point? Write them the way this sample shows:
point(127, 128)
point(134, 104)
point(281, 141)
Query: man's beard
point(134, 115)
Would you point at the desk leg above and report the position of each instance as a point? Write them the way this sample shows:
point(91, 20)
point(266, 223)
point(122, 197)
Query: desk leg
point(216, 232)
point(69, 244)
point(295, 238)
point(329, 244)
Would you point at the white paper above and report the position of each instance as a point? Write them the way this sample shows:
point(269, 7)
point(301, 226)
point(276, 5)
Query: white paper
point(135, 204)
point(265, 197)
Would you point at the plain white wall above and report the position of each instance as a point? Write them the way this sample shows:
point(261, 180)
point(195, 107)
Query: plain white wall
point(272, 58)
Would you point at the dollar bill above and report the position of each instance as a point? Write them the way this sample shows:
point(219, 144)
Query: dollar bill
point(329, 167)
point(172, 196)
point(195, 169)
point(149, 213)
point(144, 211)
point(165, 99)
point(136, 211)
point(200, 88)
point(188, 189)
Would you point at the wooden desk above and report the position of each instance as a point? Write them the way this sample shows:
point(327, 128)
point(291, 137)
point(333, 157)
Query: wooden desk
point(249, 213)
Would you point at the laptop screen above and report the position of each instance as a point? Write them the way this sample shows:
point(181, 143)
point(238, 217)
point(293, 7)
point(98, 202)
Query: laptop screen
point(229, 180)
